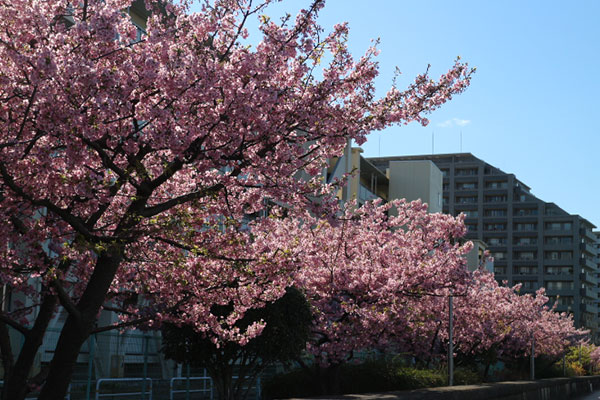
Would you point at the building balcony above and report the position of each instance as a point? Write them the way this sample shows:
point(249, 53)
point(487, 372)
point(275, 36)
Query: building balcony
point(558, 262)
point(589, 308)
point(493, 230)
point(495, 191)
point(563, 308)
point(526, 202)
point(364, 194)
point(525, 259)
point(557, 231)
point(494, 219)
point(528, 229)
point(560, 292)
point(466, 191)
point(520, 275)
point(525, 218)
point(587, 233)
point(560, 277)
point(461, 202)
point(593, 324)
point(588, 293)
point(494, 202)
point(558, 246)
point(588, 277)
point(588, 248)
point(588, 263)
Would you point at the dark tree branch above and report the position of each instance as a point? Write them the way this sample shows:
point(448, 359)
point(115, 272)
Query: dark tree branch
point(157, 209)
point(65, 299)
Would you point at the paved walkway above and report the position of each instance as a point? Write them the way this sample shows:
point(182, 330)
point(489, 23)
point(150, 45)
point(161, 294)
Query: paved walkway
point(591, 396)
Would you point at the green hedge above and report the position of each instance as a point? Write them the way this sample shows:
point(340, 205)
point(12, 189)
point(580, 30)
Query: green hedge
point(370, 376)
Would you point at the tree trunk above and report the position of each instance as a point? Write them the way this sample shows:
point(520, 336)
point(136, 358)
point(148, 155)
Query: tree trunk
point(330, 379)
point(16, 387)
point(8, 359)
point(223, 384)
point(78, 328)
point(486, 371)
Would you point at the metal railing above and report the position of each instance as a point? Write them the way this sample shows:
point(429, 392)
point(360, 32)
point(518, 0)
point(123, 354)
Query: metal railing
point(144, 393)
point(187, 390)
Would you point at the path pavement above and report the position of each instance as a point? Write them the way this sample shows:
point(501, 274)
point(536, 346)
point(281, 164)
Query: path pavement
point(591, 396)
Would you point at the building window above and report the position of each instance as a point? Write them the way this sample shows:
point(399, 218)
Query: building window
point(471, 227)
point(495, 213)
point(525, 270)
point(466, 186)
point(470, 213)
point(496, 185)
point(496, 199)
point(528, 285)
point(525, 255)
point(499, 270)
point(558, 255)
point(525, 241)
point(552, 211)
point(558, 240)
point(495, 227)
point(561, 300)
point(495, 241)
point(526, 227)
point(466, 199)
point(499, 255)
point(520, 212)
point(558, 226)
point(558, 270)
point(559, 285)
point(465, 172)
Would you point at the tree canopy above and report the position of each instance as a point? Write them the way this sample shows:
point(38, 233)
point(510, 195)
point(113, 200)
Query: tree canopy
point(118, 155)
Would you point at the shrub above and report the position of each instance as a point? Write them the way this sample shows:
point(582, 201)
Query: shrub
point(370, 376)
point(411, 378)
point(464, 376)
point(296, 383)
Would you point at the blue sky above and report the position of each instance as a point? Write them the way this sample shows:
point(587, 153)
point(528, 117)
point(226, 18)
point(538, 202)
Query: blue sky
point(532, 108)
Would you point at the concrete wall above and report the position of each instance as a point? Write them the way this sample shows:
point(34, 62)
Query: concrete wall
point(543, 389)
point(419, 179)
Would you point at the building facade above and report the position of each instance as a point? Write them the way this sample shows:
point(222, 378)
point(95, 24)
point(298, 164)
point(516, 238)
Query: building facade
point(401, 179)
point(533, 242)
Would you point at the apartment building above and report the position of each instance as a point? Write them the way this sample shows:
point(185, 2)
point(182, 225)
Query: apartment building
point(410, 180)
point(400, 179)
point(533, 242)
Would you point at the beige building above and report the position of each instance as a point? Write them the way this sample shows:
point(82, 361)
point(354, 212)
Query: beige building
point(410, 180)
point(402, 179)
point(419, 179)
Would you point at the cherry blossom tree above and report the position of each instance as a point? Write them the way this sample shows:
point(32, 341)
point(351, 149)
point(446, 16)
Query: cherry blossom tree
point(112, 147)
point(369, 273)
point(497, 322)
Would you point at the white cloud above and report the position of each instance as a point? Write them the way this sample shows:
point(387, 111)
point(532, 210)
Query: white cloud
point(445, 124)
point(461, 122)
point(454, 122)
